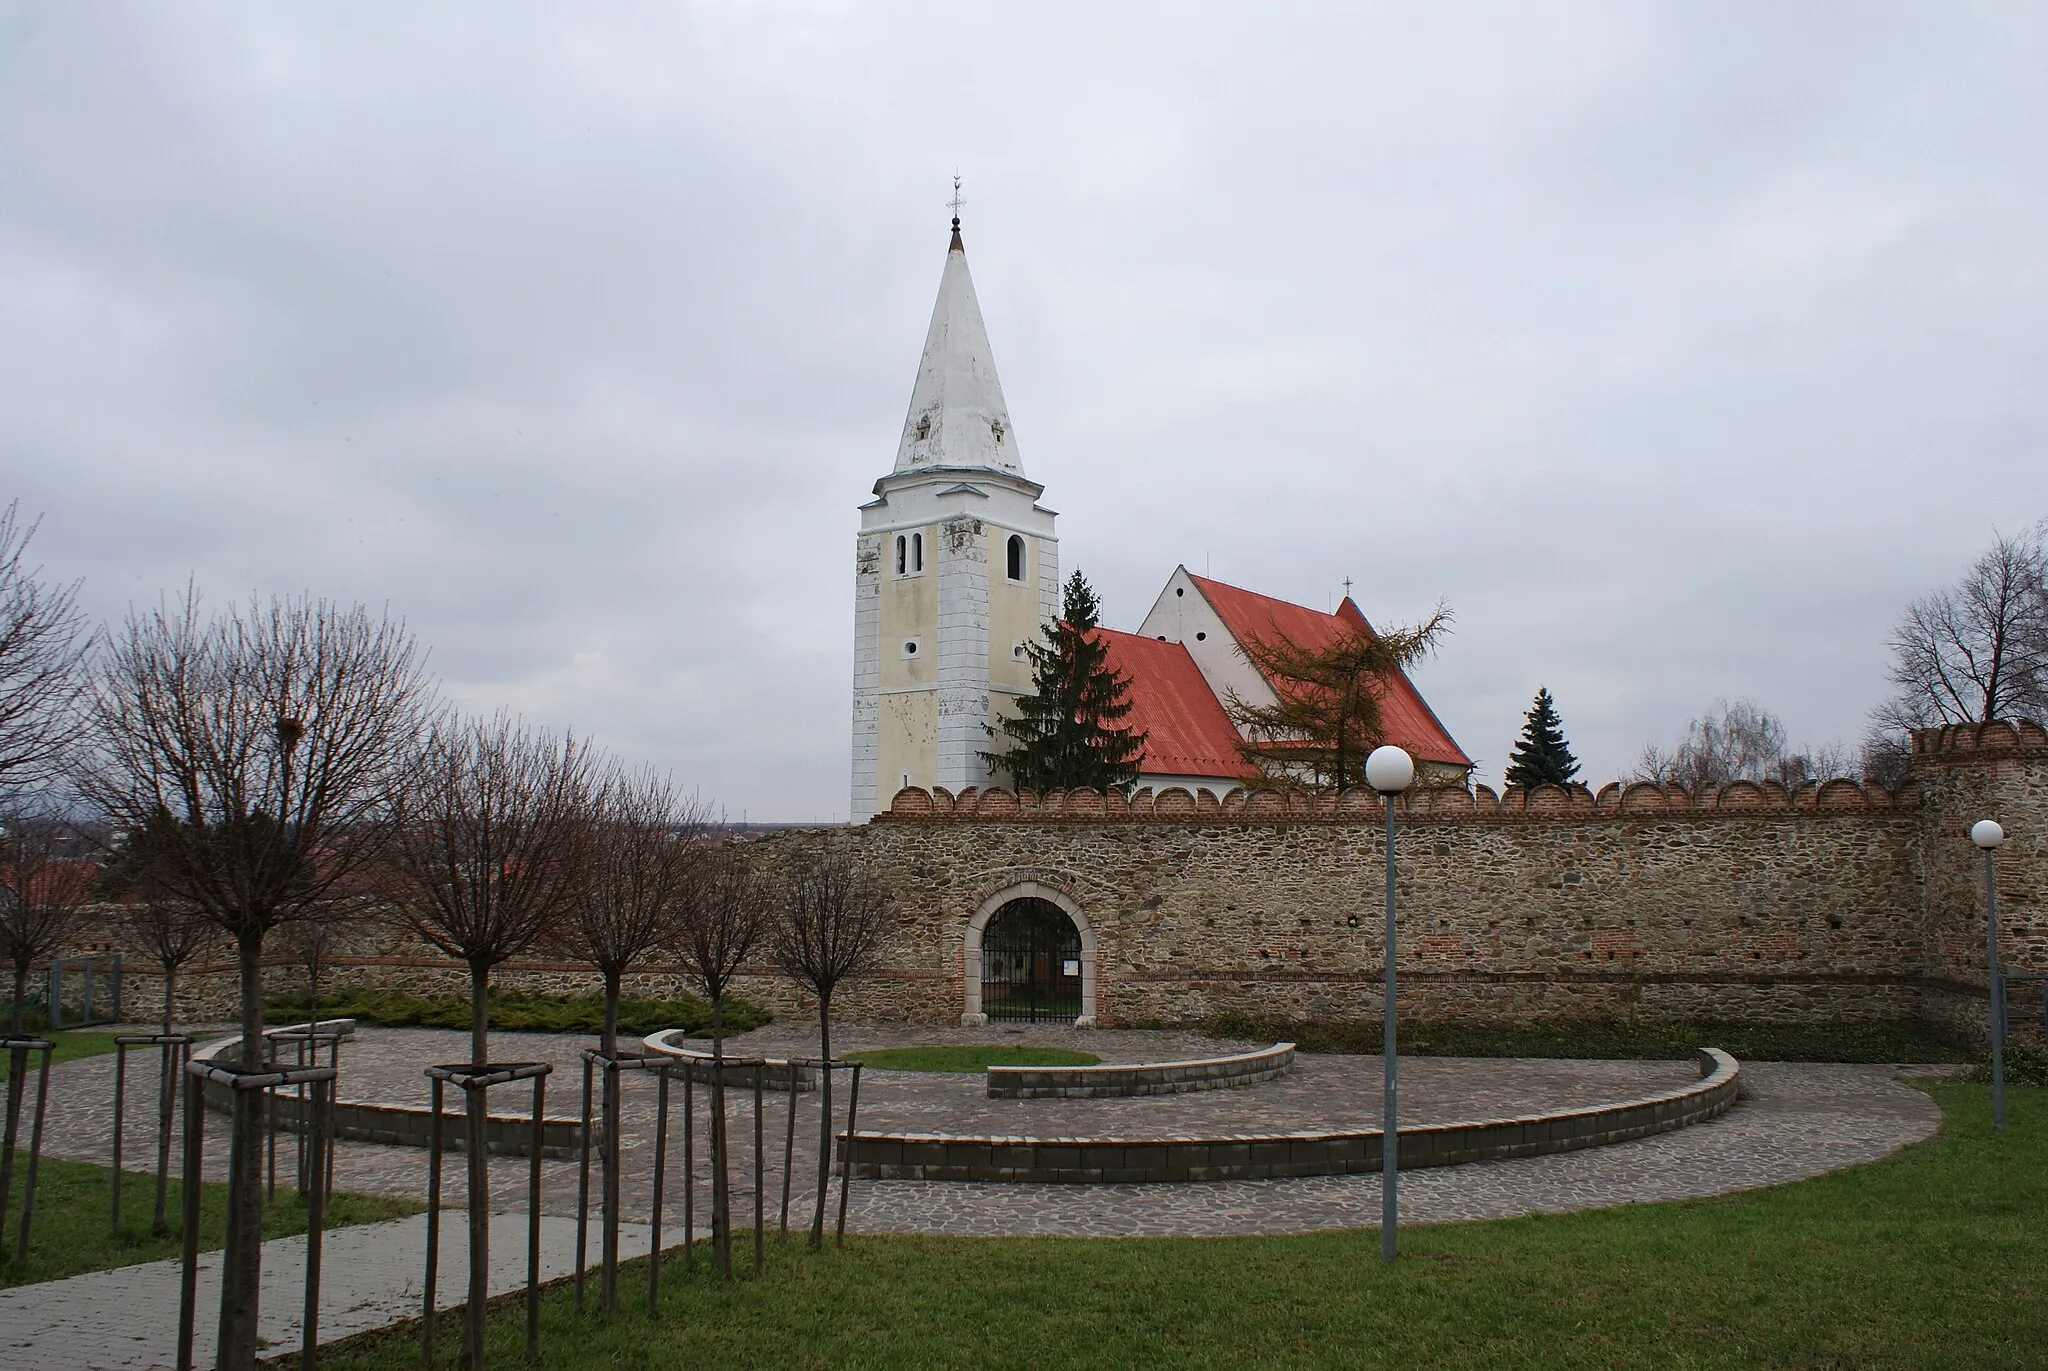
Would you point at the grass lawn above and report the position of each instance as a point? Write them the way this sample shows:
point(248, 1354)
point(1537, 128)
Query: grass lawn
point(1928, 1259)
point(70, 1235)
point(971, 1057)
point(70, 1047)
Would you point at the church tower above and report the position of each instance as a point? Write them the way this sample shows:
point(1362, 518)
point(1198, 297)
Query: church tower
point(955, 569)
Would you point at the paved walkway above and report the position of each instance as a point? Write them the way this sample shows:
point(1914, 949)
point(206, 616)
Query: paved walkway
point(370, 1278)
point(1794, 1121)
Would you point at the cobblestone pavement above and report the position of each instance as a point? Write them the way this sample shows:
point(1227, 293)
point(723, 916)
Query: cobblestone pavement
point(370, 1278)
point(1794, 1121)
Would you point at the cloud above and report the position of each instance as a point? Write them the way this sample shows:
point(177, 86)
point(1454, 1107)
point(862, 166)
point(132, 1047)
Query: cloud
point(1676, 347)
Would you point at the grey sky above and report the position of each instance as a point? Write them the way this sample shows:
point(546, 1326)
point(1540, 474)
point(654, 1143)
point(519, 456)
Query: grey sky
point(1676, 346)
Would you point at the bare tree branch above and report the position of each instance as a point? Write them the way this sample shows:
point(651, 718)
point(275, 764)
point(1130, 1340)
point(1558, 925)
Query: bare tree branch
point(42, 653)
point(43, 887)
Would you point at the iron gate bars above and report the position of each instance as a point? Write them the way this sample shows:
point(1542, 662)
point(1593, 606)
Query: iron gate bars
point(173, 1051)
point(475, 1082)
point(85, 1008)
point(608, 1157)
point(1031, 963)
point(243, 1082)
point(17, 1082)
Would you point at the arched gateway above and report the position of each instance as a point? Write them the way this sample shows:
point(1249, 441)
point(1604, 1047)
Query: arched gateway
point(1029, 958)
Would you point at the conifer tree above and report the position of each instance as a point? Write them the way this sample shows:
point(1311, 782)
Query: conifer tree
point(1068, 732)
point(1541, 756)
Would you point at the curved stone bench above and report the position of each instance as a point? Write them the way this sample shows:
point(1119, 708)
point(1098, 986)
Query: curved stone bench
point(406, 1125)
point(1147, 1078)
point(1113, 1161)
point(775, 1071)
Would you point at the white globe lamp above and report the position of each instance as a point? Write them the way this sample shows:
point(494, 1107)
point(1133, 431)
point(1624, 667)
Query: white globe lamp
point(1985, 833)
point(1389, 770)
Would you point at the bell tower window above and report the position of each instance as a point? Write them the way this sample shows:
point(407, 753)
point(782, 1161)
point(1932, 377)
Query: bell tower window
point(1015, 569)
point(909, 554)
point(924, 427)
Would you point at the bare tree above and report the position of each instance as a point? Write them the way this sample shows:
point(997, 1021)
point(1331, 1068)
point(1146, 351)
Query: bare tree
point(173, 933)
point(1739, 741)
point(252, 755)
point(833, 918)
point(43, 887)
point(312, 943)
point(490, 846)
point(489, 857)
point(641, 847)
point(725, 916)
point(42, 651)
point(1979, 649)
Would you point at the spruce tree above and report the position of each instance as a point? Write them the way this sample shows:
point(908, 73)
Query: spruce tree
point(1541, 756)
point(1068, 732)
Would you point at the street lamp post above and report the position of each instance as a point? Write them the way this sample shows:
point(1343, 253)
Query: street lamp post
point(1986, 833)
point(1390, 771)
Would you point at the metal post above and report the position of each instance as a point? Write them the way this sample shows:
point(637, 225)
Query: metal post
point(188, 1278)
point(1390, 1118)
point(689, 1165)
point(56, 995)
point(35, 1152)
point(313, 1135)
point(608, 1170)
point(789, 1148)
point(660, 1168)
point(846, 1167)
point(583, 1189)
point(540, 1137)
point(1996, 985)
point(114, 1165)
point(433, 1227)
point(759, 1147)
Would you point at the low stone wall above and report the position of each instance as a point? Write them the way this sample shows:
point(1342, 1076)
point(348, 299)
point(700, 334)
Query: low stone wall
point(408, 1125)
point(1148, 1078)
point(698, 1066)
point(1126, 1161)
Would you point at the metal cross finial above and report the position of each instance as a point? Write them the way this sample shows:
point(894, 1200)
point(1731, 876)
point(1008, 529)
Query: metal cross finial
point(956, 202)
point(1347, 587)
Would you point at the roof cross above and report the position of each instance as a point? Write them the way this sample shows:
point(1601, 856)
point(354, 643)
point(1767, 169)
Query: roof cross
point(1347, 587)
point(956, 202)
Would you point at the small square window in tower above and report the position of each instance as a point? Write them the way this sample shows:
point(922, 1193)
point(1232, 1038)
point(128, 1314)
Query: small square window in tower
point(1015, 570)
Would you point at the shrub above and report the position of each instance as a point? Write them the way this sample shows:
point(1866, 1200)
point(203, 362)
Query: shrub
point(518, 1011)
point(2025, 1064)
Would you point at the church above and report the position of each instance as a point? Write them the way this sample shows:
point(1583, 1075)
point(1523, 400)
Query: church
point(957, 567)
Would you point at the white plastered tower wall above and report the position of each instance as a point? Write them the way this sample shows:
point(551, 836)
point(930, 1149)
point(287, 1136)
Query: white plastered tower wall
point(937, 616)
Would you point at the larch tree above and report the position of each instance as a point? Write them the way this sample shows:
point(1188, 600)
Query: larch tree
point(251, 757)
point(1541, 755)
point(833, 918)
point(1069, 732)
point(1324, 717)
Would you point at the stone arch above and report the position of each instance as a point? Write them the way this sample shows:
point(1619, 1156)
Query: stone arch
point(971, 1015)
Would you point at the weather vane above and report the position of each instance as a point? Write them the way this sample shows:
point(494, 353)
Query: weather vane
point(956, 202)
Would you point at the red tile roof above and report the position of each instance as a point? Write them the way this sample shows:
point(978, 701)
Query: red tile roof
point(1186, 731)
point(1408, 719)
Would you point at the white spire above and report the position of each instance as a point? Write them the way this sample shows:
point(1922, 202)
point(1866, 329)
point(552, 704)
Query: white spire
point(957, 415)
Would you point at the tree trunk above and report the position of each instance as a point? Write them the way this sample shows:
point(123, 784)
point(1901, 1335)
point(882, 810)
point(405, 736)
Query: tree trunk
point(608, 1042)
point(476, 1142)
point(170, 996)
point(21, 994)
point(242, 1261)
point(824, 1119)
point(721, 1187)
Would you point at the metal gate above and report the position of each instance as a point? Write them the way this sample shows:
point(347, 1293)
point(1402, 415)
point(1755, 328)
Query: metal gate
point(1031, 964)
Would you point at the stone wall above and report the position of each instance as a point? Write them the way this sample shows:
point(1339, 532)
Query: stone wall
point(1837, 902)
